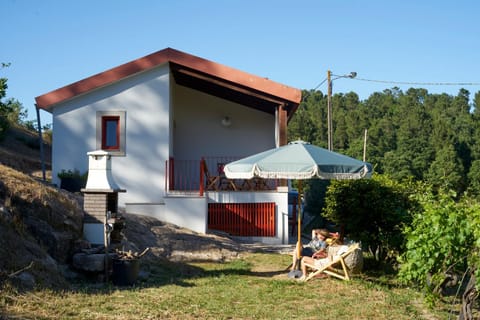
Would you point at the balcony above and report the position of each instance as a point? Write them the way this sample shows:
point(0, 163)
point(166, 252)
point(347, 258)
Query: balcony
point(206, 174)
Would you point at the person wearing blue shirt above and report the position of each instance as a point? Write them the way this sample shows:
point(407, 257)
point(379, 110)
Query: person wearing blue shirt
point(316, 248)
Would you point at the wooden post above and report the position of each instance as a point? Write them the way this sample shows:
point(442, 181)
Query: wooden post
point(282, 124)
point(299, 213)
point(106, 242)
point(283, 138)
point(365, 146)
point(329, 111)
point(171, 173)
point(202, 177)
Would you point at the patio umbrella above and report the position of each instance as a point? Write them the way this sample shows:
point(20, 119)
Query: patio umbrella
point(298, 160)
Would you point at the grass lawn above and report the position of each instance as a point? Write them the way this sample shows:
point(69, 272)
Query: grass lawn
point(255, 287)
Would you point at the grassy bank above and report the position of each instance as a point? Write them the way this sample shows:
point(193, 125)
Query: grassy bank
point(256, 287)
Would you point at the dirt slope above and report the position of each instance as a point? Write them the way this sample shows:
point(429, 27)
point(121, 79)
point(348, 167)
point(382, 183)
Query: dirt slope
point(41, 226)
point(20, 150)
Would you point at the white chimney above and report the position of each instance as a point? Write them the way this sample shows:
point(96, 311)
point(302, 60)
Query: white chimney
point(100, 172)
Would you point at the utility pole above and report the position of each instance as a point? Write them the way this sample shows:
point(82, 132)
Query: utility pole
point(329, 110)
point(351, 75)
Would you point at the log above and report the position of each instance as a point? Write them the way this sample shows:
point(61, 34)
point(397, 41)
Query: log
point(468, 299)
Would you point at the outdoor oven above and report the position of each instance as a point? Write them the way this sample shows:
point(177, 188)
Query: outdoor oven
point(100, 197)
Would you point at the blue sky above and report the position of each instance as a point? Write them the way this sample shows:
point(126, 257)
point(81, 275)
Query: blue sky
point(52, 43)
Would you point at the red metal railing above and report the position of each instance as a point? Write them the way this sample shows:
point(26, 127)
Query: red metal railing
point(190, 176)
point(182, 175)
point(243, 219)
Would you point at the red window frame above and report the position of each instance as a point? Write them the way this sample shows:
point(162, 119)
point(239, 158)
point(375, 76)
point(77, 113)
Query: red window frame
point(105, 120)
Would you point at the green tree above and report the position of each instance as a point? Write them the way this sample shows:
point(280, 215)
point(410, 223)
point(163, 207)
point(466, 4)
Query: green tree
point(4, 124)
point(306, 124)
point(11, 111)
point(474, 179)
point(447, 171)
point(379, 111)
point(381, 139)
point(414, 132)
point(347, 122)
point(476, 104)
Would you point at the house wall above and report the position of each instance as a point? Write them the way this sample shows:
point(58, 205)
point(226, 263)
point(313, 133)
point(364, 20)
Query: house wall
point(151, 102)
point(146, 100)
point(198, 131)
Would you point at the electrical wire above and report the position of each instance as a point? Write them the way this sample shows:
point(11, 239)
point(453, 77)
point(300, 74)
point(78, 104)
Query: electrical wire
point(422, 83)
point(320, 84)
point(401, 82)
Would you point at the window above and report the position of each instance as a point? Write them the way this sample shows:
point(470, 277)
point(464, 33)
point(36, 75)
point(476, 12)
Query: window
point(111, 132)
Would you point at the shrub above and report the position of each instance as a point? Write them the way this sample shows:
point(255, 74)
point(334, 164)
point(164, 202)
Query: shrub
point(444, 238)
point(4, 125)
point(372, 211)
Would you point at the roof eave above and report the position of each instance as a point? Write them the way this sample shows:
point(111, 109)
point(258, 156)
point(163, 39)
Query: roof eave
point(55, 97)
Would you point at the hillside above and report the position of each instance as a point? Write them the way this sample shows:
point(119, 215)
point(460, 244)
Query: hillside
point(20, 150)
point(41, 225)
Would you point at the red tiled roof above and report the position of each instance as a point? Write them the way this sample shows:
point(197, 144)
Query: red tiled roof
point(209, 68)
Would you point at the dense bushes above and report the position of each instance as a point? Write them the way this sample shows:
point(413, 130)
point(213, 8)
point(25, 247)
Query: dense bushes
point(432, 234)
point(373, 211)
point(442, 241)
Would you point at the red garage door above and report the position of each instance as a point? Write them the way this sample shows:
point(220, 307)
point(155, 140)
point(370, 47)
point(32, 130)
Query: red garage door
point(243, 219)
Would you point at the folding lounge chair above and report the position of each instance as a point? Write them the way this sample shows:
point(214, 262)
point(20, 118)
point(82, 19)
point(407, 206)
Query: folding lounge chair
point(332, 263)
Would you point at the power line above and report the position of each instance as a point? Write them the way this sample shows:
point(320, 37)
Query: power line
point(320, 84)
point(422, 83)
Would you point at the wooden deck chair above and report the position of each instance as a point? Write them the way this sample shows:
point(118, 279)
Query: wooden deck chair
point(212, 181)
point(334, 265)
point(224, 182)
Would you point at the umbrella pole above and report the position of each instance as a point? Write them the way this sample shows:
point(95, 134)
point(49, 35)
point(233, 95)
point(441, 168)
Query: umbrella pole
point(297, 273)
point(299, 221)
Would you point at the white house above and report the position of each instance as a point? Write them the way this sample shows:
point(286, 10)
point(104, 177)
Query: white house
point(170, 120)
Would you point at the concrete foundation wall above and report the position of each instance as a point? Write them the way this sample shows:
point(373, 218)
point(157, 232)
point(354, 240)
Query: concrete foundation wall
point(188, 212)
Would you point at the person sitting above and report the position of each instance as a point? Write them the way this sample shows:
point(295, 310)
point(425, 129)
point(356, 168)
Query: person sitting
point(315, 249)
point(311, 261)
point(326, 260)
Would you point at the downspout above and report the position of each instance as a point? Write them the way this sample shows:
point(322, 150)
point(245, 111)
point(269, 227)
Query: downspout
point(40, 139)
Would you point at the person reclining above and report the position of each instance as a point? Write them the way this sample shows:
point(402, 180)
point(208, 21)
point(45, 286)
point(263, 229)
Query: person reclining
point(315, 249)
point(322, 264)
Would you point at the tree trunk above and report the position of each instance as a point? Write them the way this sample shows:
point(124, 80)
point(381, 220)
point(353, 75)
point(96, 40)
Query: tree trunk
point(468, 299)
